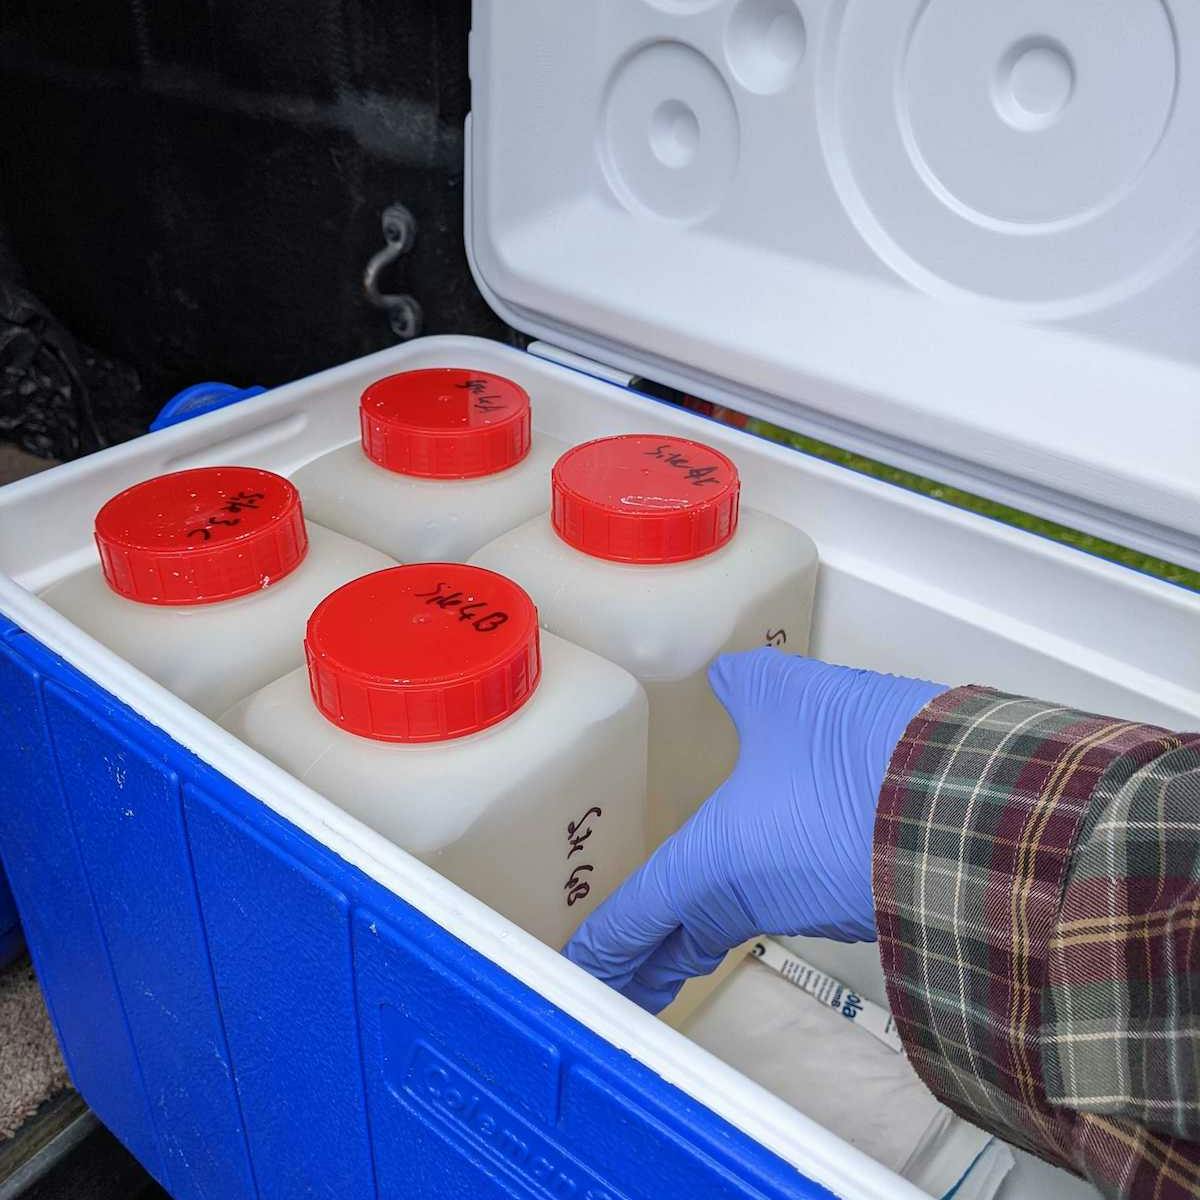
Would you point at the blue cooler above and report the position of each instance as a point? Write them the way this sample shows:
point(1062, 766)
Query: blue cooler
point(964, 247)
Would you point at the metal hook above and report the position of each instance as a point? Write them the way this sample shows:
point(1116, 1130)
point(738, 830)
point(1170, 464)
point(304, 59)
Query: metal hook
point(399, 233)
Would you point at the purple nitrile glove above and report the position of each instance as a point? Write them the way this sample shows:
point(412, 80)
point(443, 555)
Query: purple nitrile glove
point(783, 846)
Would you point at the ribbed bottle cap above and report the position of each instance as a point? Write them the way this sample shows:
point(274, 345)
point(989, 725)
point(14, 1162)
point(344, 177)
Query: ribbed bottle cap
point(645, 498)
point(445, 423)
point(201, 536)
point(423, 653)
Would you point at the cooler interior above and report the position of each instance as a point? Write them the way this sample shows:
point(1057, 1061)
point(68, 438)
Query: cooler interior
point(237, 970)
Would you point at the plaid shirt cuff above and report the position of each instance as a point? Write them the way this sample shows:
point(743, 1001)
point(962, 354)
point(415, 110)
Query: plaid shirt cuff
point(984, 802)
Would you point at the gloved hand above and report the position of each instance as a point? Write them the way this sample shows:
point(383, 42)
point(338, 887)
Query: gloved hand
point(782, 847)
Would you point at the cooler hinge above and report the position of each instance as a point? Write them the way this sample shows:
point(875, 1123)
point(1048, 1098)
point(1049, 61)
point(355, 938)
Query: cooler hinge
point(577, 362)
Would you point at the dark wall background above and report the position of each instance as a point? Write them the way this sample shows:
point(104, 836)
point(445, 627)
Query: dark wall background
point(191, 190)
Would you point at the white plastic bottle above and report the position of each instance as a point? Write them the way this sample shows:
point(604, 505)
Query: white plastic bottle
point(447, 461)
point(431, 709)
point(206, 579)
point(645, 559)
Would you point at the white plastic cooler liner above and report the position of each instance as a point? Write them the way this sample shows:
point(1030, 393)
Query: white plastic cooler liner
point(906, 584)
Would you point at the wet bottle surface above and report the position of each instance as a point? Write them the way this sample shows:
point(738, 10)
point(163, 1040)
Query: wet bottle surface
point(447, 460)
point(206, 578)
point(433, 709)
point(648, 559)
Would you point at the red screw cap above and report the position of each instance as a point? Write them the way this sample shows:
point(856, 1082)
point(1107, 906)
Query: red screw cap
point(645, 498)
point(200, 536)
point(423, 653)
point(445, 423)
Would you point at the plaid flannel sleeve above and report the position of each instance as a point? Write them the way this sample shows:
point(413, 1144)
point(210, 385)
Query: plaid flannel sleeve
point(1037, 892)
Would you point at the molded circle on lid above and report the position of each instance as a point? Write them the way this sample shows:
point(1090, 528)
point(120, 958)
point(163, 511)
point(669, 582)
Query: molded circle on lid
point(645, 498)
point(201, 536)
point(423, 653)
point(445, 423)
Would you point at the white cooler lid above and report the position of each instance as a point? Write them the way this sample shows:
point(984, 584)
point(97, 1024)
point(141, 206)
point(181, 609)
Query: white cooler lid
point(957, 235)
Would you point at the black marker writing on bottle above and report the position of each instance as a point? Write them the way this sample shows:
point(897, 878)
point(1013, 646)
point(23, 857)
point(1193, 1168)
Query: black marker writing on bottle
point(470, 611)
point(578, 832)
point(696, 475)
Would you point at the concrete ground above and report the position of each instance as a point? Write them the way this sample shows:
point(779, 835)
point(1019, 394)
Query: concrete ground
point(16, 464)
point(31, 1069)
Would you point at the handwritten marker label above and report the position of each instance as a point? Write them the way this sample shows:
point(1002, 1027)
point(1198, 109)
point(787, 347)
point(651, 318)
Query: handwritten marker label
point(470, 610)
point(240, 502)
point(484, 400)
point(578, 832)
point(698, 475)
